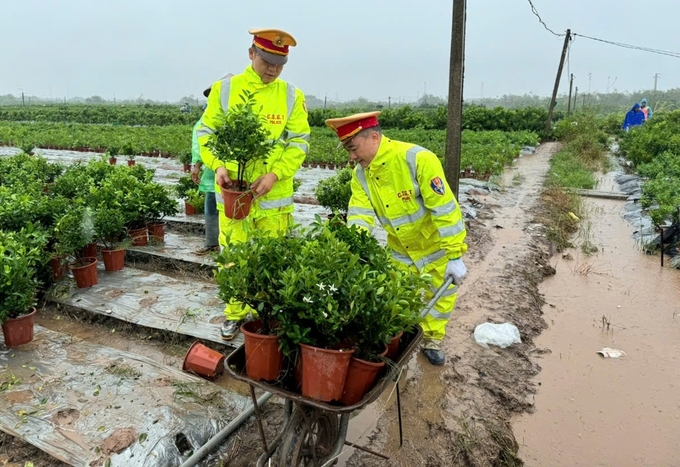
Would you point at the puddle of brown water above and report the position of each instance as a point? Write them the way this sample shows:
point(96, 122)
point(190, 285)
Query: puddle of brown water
point(595, 411)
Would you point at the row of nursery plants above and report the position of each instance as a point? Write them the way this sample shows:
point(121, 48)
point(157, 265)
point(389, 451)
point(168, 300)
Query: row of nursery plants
point(53, 217)
point(485, 152)
point(654, 150)
point(475, 117)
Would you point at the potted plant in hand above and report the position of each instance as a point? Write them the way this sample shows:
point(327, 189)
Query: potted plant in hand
point(335, 192)
point(20, 256)
point(241, 141)
point(250, 272)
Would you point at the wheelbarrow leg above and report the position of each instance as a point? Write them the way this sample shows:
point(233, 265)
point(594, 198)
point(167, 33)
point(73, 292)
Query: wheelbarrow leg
point(340, 441)
point(287, 410)
point(258, 417)
point(401, 432)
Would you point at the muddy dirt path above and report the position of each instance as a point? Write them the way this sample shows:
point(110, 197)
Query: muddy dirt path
point(595, 411)
point(458, 414)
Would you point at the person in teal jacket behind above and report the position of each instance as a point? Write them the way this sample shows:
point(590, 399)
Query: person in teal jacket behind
point(206, 184)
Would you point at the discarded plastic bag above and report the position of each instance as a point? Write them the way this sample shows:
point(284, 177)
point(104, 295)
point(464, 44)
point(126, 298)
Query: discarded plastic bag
point(502, 335)
point(611, 353)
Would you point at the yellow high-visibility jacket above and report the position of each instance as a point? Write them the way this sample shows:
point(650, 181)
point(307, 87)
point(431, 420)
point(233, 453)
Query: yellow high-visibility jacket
point(404, 186)
point(284, 107)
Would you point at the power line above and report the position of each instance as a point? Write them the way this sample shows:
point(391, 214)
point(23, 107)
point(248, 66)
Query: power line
point(535, 12)
point(634, 47)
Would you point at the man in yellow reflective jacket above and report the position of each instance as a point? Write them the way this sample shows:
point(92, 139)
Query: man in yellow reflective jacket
point(404, 186)
point(283, 106)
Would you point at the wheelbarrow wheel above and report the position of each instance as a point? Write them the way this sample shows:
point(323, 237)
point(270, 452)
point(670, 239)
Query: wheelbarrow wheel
point(310, 437)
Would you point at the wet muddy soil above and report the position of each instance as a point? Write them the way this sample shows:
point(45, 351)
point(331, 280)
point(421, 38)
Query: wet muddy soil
point(596, 411)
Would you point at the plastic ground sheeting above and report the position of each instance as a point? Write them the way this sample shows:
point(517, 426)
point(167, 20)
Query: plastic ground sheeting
point(84, 403)
point(190, 306)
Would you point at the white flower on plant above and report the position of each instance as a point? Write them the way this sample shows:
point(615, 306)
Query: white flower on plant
point(307, 300)
point(325, 315)
point(321, 286)
point(332, 288)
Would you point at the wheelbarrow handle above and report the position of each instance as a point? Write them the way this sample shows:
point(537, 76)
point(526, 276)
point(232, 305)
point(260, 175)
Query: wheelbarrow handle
point(438, 294)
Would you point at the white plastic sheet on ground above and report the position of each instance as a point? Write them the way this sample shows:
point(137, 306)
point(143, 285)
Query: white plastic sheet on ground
point(84, 403)
point(502, 335)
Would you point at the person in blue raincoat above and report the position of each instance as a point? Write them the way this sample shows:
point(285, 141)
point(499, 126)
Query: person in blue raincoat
point(634, 117)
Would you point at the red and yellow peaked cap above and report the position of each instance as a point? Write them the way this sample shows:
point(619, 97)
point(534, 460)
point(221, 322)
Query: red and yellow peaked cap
point(273, 44)
point(347, 127)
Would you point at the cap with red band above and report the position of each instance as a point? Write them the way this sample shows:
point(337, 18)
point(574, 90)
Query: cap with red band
point(347, 127)
point(273, 44)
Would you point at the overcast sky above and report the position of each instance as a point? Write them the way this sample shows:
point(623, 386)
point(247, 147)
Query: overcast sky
point(166, 49)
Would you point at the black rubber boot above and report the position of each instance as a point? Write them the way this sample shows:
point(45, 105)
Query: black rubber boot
point(435, 357)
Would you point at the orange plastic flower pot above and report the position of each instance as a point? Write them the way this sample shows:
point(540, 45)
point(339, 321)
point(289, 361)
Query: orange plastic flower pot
point(237, 203)
point(324, 372)
point(189, 210)
point(18, 331)
point(85, 272)
point(114, 260)
point(393, 346)
point(204, 361)
point(361, 376)
point(157, 232)
point(263, 357)
point(139, 236)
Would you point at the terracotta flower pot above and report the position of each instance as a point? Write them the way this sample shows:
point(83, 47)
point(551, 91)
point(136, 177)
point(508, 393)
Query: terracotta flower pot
point(18, 331)
point(237, 203)
point(189, 210)
point(324, 372)
point(131, 163)
point(186, 167)
point(263, 357)
point(112, 160)
point(90, 251)
point(139, 236)
point(393, 346)
point(114, 260)
point(361, 376)
point(58, 268)
point(157, 232)
point(204, 361)
point(85, 272)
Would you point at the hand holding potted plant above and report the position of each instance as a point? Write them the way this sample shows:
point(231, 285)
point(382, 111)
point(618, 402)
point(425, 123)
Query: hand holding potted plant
point(240, 142)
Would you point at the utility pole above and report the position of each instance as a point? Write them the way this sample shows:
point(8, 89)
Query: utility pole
point(389, 102)
point(575, 95)
point(567, 38)
point(590, 80)
point(454, 121)
point(23, 102)
point(325, 99)
point(482, 94)
point(656, 77)
point(571, 84)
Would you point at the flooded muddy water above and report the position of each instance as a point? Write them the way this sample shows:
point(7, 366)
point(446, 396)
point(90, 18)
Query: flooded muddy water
point(591, 410)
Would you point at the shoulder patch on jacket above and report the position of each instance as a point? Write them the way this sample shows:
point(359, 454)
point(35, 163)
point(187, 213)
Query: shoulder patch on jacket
point(437, 186)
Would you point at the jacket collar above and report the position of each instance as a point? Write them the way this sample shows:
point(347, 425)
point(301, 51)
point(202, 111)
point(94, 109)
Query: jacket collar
point(383, 155)
point(254, 80)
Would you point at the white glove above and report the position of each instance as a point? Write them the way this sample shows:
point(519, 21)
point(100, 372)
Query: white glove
point(456, 269)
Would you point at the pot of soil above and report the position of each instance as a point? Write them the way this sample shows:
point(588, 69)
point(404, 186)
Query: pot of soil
point(85, 272)
point(393, 346)
point(114, 260)
point(131, 163)
point(90, 251)
point(189, 210)
point(237, 203)
point(58, 268)
point(139, 236)
point(361, 376)
point(18, 331)
point(203, 361)
point(112, 160)
point(157, 232)
point(324, 372)
point(187, 167)
point(263, 357)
